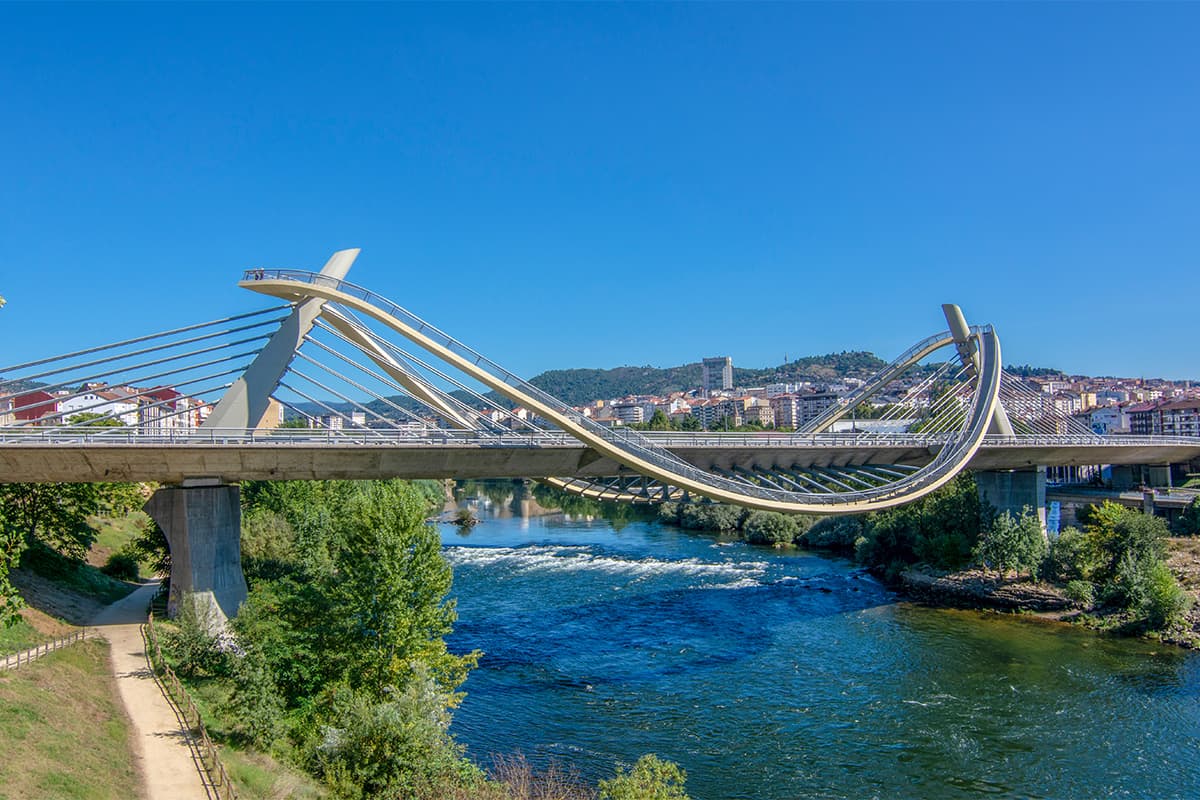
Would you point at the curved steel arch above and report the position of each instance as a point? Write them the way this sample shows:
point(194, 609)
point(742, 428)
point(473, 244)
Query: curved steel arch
point(635, 451)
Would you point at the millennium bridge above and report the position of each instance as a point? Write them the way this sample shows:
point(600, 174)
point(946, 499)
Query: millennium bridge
point(403, 399)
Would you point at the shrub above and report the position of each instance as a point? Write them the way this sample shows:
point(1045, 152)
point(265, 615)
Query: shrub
point(650, 779)
point(396, 748)
point(770, 527)
point(193, 646)
point(1117, 531)
point(1072, 557)
point(1163, 601)
point(1081, 592)
point(122, 565)
point(833, 533)
point(669, 513)
point(710, 517)
point(1013, 543)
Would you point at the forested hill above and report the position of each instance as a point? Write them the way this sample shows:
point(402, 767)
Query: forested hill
point(577, 386)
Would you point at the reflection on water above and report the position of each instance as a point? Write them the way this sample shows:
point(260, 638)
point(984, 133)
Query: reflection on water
point(788, 675)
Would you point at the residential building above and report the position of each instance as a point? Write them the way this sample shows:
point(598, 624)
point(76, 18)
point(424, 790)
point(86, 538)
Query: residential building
point(1180, 418)
point(1144, 419)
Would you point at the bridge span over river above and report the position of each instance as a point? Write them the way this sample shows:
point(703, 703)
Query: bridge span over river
point(192, 408)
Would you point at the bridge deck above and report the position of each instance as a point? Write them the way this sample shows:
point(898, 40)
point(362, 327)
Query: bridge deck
point(108, 456)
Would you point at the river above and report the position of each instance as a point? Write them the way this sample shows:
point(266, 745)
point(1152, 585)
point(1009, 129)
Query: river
point(776, 675)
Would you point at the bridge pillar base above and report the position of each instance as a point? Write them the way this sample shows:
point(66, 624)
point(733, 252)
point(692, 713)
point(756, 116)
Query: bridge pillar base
point(1012, 490)
point(203, 525)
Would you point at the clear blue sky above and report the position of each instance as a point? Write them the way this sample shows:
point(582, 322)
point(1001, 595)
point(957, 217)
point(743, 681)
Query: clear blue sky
point(595, 185)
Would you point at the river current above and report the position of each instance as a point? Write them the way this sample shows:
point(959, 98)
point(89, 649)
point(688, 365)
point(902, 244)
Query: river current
point(776, 675)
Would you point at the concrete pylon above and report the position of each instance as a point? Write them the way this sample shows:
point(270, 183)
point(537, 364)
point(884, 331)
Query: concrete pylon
point(966, 352)
point(246, 402)
point(203, 525)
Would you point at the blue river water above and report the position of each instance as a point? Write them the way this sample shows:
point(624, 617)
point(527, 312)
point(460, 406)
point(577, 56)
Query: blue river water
point(776, 675)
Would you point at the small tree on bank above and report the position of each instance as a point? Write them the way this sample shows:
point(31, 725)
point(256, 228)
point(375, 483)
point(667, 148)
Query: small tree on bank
point(1013, 543)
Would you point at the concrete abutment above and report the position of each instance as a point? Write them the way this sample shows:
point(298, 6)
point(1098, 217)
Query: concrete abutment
point(203, 525)
point(1013, 490)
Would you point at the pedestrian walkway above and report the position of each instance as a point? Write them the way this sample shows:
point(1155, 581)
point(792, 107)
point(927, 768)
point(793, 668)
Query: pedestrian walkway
point(163, 750)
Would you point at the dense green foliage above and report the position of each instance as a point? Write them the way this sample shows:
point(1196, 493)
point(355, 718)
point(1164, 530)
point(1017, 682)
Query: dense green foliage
point(1119, 559)
point(1015, 544)
point(339, 657)
point(650, 778)
point(941, 529)
point(45, 526)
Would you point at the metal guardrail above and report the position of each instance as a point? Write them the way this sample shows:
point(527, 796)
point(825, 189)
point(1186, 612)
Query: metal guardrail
point(25, 657)
point(296, 437)
point(217, 775)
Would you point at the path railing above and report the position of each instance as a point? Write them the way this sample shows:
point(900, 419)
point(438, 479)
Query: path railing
point(179, 696)
point(16, 660)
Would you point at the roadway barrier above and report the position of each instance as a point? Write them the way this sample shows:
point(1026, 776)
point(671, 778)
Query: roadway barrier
point(25, 657)
point(179, 697)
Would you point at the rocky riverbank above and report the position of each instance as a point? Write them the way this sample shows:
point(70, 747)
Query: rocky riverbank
point(979, 589)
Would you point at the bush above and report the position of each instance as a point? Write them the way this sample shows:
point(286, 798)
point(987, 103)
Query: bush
point(193, 647)
point(1081, 592)
point(122, 565)
point(669, 513)
point(398, 748)
point(770, 527)
point(1013, 543)
point(940, 529)
point(833, 533)
point(1163, 601)
point(650, 779)
point(710, 517)
point(1071, 557)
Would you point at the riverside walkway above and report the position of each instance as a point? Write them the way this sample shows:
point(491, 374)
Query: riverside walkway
point(164, 752)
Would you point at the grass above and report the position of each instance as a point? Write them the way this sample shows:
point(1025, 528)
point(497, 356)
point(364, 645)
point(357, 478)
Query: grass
point(62, 731)
point(18, 637)
point(77, 576)
point(113, 533)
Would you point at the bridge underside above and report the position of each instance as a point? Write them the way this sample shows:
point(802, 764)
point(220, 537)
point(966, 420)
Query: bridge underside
point(172, 464)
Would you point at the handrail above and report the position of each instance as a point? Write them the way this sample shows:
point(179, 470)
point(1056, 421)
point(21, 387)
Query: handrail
point(633, 449)
point(179, 697)
point(26, 657)
point(124, 436)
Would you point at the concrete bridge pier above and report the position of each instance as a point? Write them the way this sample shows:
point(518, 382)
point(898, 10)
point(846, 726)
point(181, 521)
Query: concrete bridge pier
point(203, 524)
point(1012, 490)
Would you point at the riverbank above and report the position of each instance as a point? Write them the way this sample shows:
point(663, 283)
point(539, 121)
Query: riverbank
point(990, 591)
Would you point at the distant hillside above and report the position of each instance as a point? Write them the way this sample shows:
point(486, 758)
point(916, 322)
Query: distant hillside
point(577, 386)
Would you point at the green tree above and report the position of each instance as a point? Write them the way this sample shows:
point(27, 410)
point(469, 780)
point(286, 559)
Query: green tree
point(659, 421)
point(690, 423)
point(651, 778)
point(1013, 543)
point(390, 591)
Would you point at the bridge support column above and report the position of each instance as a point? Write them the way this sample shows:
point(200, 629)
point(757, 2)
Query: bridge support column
point(1160, 476)
point(1012, 490)
point(203, 525)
